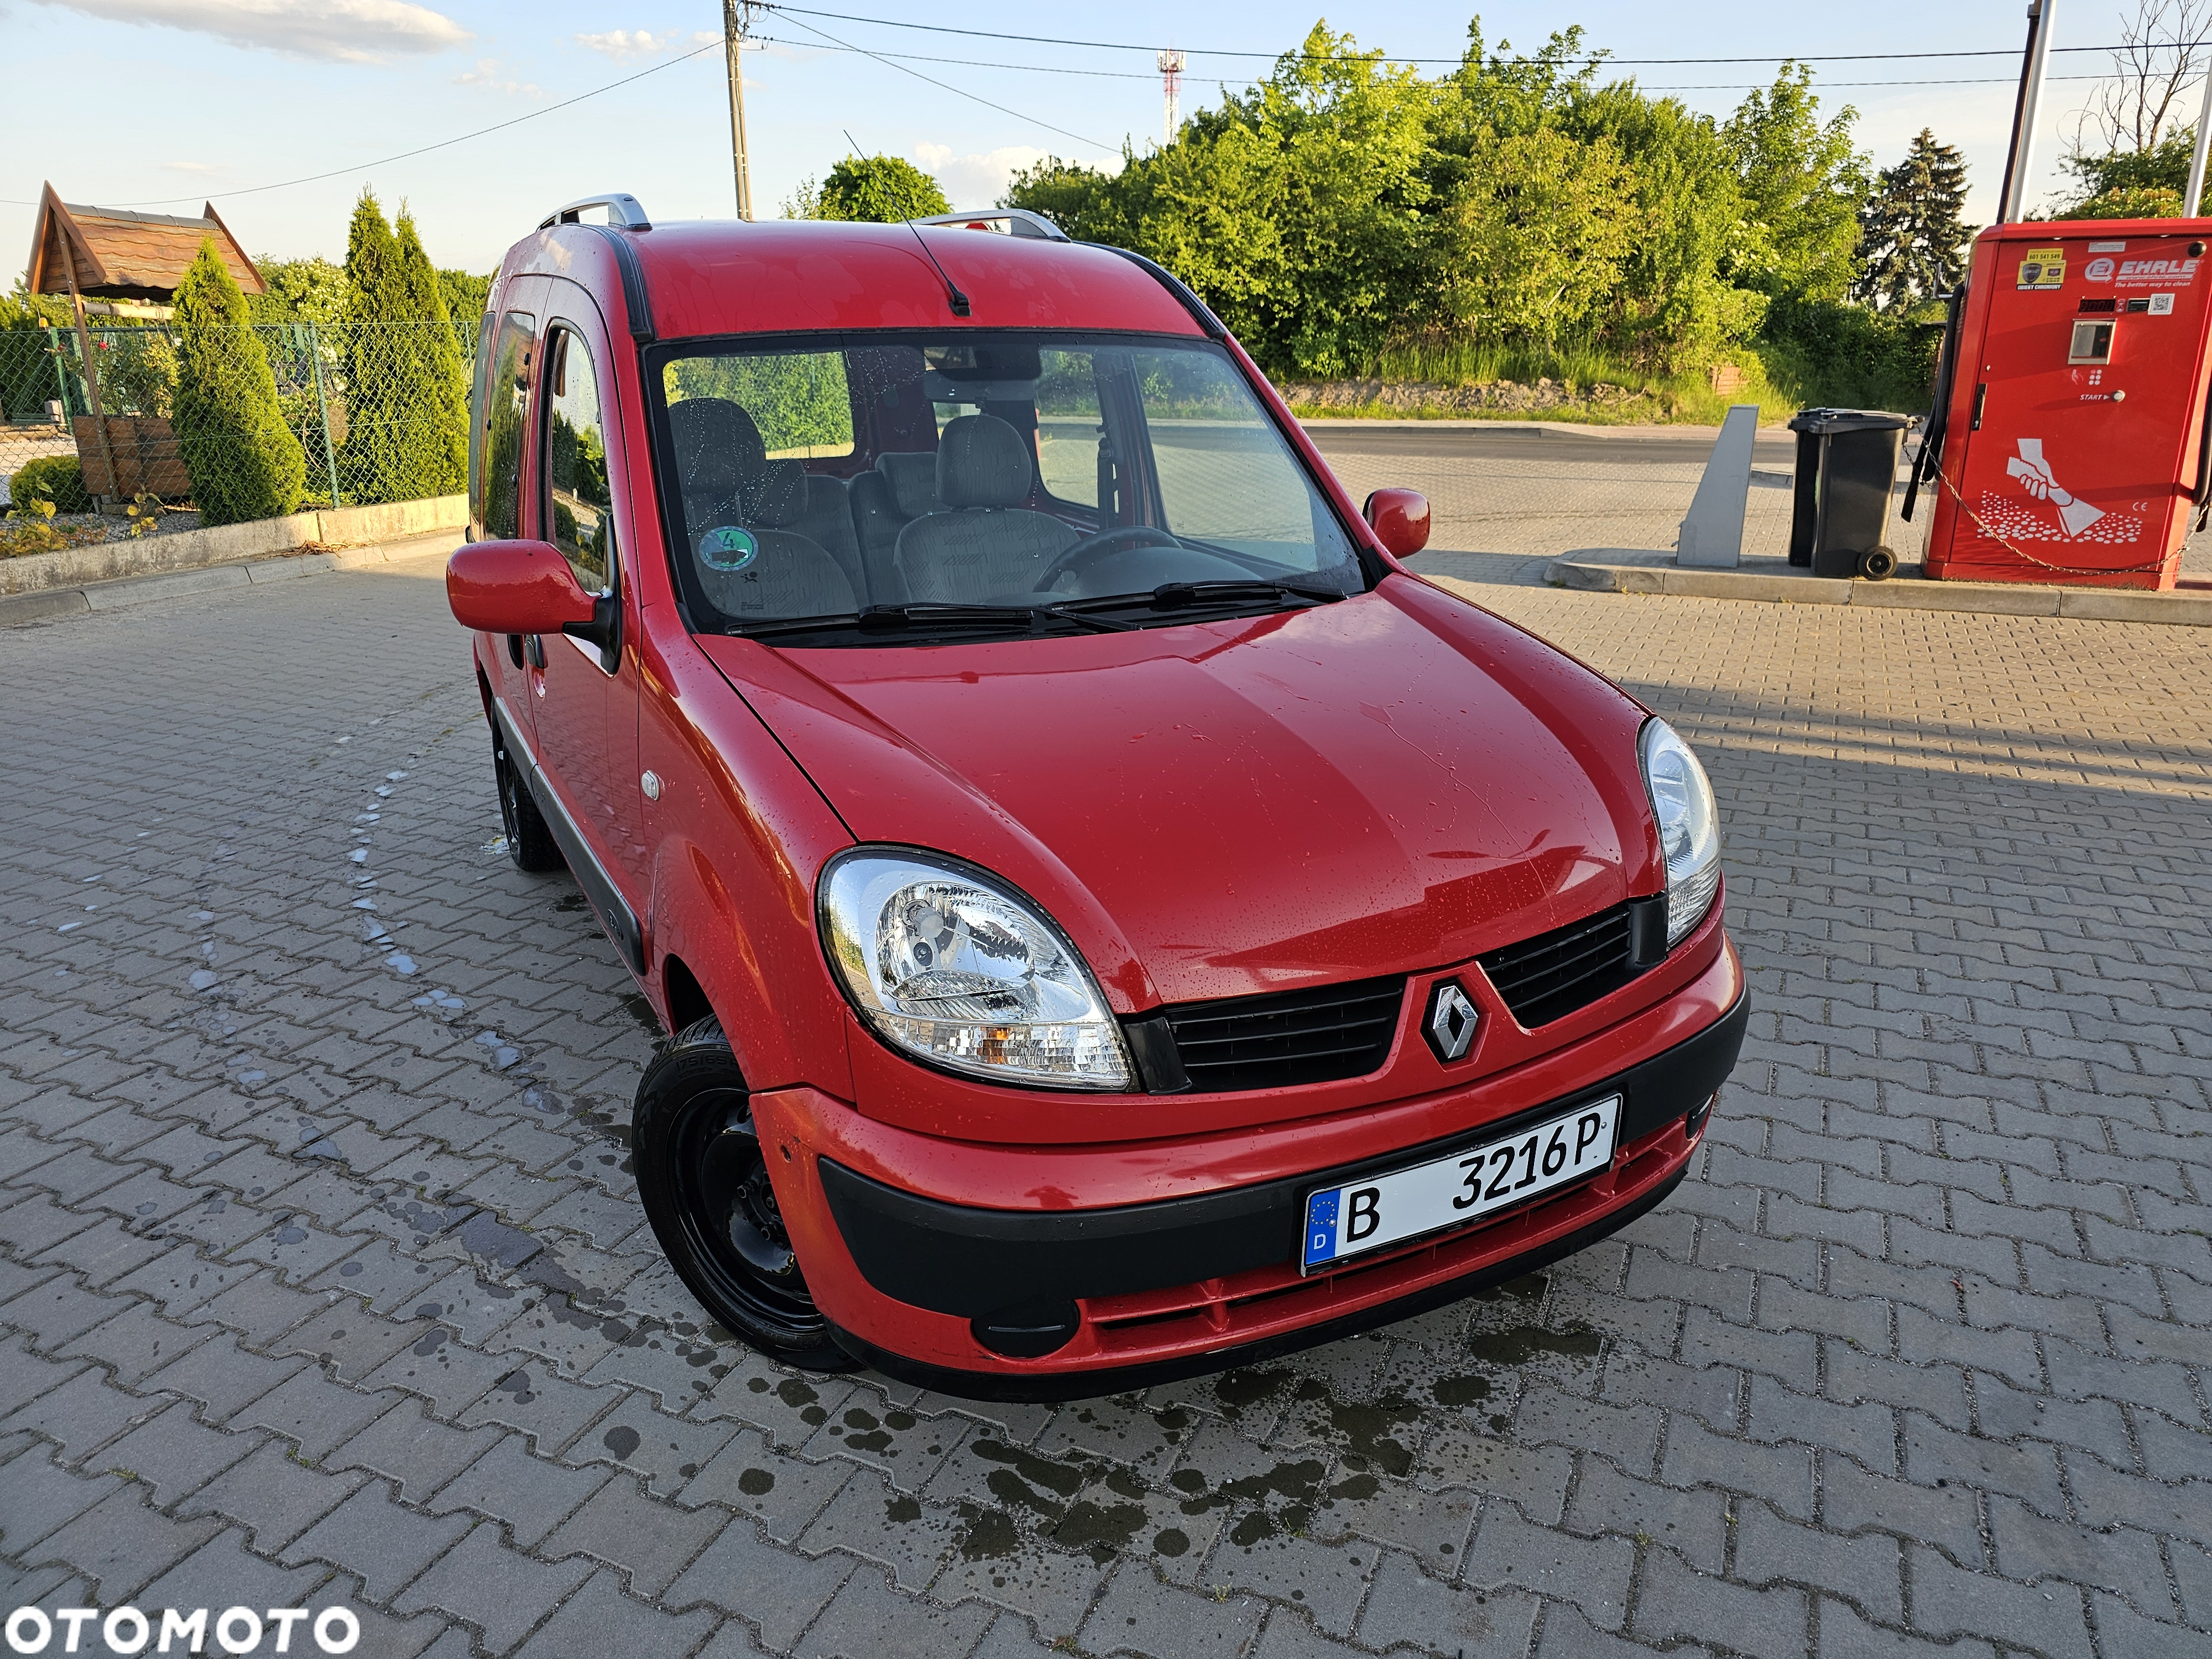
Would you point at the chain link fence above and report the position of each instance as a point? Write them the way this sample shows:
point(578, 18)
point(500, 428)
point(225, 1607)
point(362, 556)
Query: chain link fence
point(373, 413)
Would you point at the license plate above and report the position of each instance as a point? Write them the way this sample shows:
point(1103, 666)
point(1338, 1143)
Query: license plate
point(1460, 1186)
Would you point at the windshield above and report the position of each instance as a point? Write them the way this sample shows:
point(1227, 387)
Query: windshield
point(884, 489)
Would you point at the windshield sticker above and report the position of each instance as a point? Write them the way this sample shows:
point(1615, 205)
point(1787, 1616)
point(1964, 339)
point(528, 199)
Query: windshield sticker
point(2052, 512)
point(2045, 267)
point(728, 547)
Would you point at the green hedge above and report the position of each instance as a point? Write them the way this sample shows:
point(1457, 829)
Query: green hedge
point(56, 478)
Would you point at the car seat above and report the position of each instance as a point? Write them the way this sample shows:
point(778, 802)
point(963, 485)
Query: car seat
point(791, 575)
point(982, 543)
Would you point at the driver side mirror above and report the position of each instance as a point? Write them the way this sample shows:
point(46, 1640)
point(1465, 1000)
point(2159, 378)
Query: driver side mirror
point(1400, 518)
point(516, 587)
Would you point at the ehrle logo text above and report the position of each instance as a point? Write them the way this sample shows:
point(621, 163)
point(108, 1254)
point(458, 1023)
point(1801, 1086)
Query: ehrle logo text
point(127, 1630)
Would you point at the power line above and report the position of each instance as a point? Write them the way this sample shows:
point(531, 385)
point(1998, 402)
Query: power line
point(957, 91)
point(1203, 51)
point(888, 57)
point(405, 155)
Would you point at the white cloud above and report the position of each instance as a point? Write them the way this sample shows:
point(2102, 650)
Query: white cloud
point(347, 31)
point(973, 181)
point(490, 74)
point(623, 44)
point(190, 167)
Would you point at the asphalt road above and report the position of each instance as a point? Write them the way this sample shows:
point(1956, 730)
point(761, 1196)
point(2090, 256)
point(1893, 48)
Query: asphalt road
point(1514, 440)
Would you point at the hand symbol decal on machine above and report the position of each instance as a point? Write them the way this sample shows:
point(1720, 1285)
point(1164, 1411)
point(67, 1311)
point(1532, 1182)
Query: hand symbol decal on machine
point(2076, 519)
point(2034, 475)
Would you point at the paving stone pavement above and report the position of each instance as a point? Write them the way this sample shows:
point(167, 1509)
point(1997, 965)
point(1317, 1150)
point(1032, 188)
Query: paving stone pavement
point(322, 1277)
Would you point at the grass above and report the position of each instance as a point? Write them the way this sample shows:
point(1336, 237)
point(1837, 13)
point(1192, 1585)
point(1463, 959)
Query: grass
point(1780, 376)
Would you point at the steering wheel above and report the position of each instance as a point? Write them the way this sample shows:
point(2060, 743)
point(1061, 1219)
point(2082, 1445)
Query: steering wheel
point(1123, 538)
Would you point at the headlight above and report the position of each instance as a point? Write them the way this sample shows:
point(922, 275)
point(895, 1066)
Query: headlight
point(957, 969)
point(1689, 826)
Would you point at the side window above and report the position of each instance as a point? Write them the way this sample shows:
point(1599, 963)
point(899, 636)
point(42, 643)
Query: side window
point(1069, 432)
point(505, 413)
point(579, 507)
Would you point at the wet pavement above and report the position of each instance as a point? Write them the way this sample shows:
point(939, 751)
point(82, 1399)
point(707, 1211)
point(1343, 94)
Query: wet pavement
point(322, 1277)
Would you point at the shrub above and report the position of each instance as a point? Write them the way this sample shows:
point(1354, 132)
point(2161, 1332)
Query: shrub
point(439, 367)
point(243, 461)
point(55, 479)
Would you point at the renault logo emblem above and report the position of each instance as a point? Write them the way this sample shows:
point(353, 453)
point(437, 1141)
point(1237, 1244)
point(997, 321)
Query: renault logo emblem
point(1452, 1019)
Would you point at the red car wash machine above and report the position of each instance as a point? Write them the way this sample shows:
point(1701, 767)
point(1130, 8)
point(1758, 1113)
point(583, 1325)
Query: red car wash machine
point(2068, 442)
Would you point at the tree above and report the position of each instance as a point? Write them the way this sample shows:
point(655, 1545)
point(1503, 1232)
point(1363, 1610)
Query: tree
point(403, 409)
point(437, 361)
point(243, 461)
point(1910, 236)
point(2135, 107)
point(882, 189)
point(310, 290)
point(2132, 184)
point(1803, 184)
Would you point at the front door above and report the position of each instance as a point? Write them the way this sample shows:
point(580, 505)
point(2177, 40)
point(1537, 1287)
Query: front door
point(587, 713)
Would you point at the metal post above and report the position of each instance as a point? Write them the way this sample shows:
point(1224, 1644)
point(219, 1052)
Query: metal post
point(2019, 104)
point(2194, 198)
point(737, 16)
point(92, 394)
point(322, 413)
point(2031, 109)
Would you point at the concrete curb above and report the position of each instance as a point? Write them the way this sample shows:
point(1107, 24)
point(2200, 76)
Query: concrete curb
point(43, 605)
point(226, 545)
point(1988, 598)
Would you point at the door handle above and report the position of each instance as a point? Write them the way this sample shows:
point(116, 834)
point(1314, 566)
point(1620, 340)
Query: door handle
point(534, 648)
point(1981, 396)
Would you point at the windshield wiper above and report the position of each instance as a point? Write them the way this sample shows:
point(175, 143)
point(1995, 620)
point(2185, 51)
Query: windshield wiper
point(1182, 596)
point(923, 614)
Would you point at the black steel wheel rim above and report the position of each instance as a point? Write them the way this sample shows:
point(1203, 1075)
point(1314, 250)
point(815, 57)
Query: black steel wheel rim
point(510, 812)
point(731, 1225)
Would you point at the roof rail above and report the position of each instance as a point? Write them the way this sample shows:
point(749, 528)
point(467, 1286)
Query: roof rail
point(623, 211)
point(1006, 221)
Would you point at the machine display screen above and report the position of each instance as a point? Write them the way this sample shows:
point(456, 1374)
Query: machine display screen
point(2093, 342)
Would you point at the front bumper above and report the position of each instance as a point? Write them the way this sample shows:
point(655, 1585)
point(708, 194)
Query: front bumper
point(1057, 1301)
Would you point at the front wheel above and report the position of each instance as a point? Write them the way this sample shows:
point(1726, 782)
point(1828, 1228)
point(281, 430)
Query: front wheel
point(703, 1177)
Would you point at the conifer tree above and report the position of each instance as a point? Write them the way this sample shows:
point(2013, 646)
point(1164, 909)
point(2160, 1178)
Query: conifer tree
point(394, 437)
point(244, 462)
point(1910, 236)
point(444, 445)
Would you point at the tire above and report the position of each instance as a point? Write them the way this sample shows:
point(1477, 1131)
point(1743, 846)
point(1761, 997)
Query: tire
point(703, 1178)
point(529, 842)
point(1877, 564)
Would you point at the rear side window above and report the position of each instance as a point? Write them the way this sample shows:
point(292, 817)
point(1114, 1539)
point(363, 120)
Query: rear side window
point(579, 505)
point(506, 425)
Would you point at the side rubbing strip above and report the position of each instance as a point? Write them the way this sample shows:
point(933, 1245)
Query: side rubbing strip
point(615, 914)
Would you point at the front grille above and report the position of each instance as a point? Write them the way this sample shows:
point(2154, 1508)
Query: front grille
point(1549, 976)
point(1292, 1037)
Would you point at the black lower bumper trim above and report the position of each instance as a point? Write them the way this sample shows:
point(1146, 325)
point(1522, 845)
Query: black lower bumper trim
point(975, 1263)
point(1095, 1382)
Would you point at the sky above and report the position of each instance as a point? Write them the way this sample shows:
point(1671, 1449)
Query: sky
point(218, 98)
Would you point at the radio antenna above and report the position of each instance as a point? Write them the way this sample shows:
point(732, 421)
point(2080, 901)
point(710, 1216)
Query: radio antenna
point(959, 301)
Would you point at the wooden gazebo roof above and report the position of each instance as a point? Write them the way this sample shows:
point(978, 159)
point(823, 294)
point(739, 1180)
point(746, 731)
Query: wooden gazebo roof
point(118, 255)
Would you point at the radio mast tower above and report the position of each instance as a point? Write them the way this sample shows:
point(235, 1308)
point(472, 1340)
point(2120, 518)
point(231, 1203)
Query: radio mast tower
point(1171, 67)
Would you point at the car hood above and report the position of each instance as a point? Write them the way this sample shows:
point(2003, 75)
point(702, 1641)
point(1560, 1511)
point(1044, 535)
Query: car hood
point(1393, 783)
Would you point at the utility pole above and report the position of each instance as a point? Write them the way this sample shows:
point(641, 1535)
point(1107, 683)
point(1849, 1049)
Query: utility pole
point(1171, 66)
point(2193, 203)
point(736, 18)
